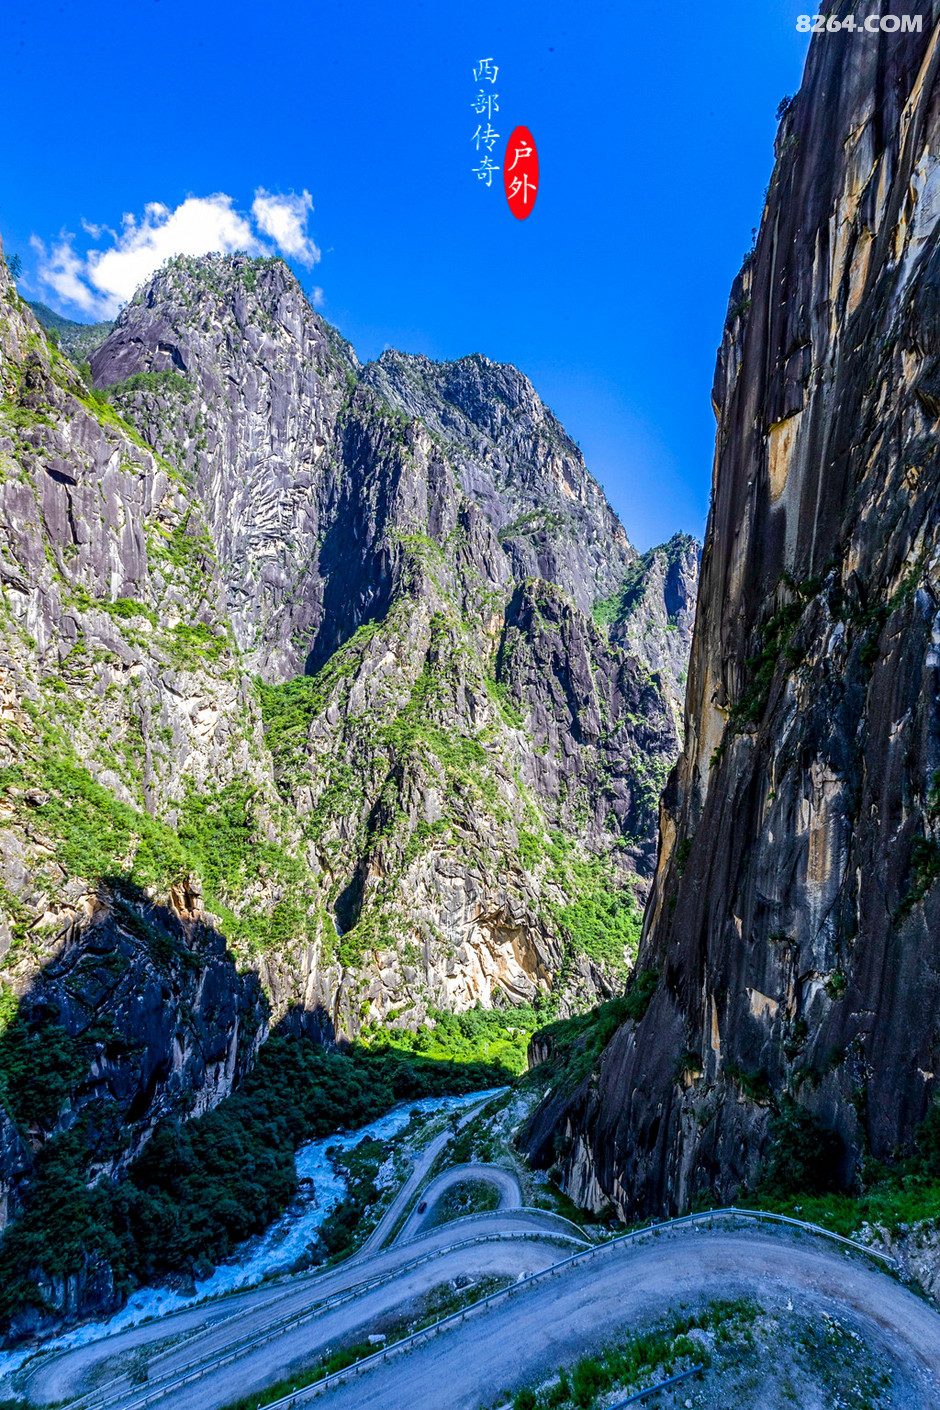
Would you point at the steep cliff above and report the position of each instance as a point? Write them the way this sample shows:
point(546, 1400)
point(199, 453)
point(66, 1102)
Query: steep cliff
point(792, 940)
point(514, 459)
point(652, 613)
point(270, 673)
point(115, 1009)
point(360, 525)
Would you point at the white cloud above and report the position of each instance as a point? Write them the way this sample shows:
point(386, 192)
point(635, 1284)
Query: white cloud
point(63, 271)
point(103, 279)
point(202, 224)
point(96, 231)
point(316, 296)
point(284, 218)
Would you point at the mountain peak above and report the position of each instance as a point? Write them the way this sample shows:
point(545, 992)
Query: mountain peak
point(517, 462)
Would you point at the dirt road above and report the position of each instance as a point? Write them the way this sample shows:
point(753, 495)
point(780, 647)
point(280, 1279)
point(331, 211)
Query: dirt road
point(510, 1195)
point(563, 1316)
point(206, 1334)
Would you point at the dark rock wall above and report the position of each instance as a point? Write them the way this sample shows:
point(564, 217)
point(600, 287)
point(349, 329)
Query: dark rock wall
point(795, 915)
point(150, 1018)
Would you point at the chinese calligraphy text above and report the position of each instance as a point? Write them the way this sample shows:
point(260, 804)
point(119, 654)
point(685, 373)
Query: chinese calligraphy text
point(485, 105)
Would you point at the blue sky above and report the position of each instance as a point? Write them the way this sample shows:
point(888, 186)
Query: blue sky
point(654, 126)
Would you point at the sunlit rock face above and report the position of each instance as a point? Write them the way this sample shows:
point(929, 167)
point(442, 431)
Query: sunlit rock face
point(795, 914)
point(291, 732)
point(425, 541)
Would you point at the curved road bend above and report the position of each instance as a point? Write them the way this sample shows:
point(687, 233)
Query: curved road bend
point(71, 1367)
point(212, 1331)
point(422, 1165)
point(562, 1317)
point(510, 1195)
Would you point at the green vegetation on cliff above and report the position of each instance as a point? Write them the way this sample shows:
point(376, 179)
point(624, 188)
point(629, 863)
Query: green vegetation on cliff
point(604, 921)
point(200, 1187)
point(573, 1046)
point(801, 1173)
point(479, 1035)
point(79, 340)
point(620, 606)
point(219, 838)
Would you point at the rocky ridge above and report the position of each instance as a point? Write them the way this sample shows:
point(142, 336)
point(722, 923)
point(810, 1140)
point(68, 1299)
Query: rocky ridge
point(116, 1009)
point(514, 459)
point(297, 457)
point(791, 942)
point(270, 675)
point(652, 613)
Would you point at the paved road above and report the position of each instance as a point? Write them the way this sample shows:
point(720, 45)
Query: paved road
point(65, 1373)
point(422, 1165)
point(562, 1317)
point(510, 1195)
point(210, 1332)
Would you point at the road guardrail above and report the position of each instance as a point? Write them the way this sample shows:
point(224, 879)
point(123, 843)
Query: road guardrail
point(101, 1398)
point(197, 1369)
point(316, 1388)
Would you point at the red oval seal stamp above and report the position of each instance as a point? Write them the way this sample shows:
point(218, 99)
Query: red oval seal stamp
point(521, 172)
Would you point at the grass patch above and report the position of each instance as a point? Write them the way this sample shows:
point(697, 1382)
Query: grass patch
point(499, 1037)
point(641, 1359)
point(155, 382)
point(466, 1197)
point(288, 709)
point(190, 643)
point(185, 547)
point(97, 836)
point(620, 606)
point(603, 920)
point(439, 1302)
point(96, 402)
point(752, 1356)
point(327, 1366)
point(122, 609)
point(575, 1044)
point(800, 1175)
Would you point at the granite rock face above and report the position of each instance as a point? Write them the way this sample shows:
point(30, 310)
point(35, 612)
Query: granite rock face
point(795, 916)
point(106, 727)
point(378, 529)
point(514, 459)
point(652, 613)
point(269, 673)
point(246, 410)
